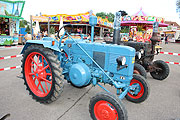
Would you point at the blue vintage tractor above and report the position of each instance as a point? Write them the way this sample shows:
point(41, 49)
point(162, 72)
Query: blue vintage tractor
point(47, 63)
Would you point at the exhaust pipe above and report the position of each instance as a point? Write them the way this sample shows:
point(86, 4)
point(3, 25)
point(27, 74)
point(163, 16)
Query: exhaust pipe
point(117, 28)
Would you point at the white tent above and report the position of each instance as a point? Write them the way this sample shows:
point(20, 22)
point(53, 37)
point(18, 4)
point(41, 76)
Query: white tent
point(37, 29)
point(60, 25)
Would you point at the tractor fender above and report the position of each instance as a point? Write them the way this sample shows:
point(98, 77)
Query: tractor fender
point(46, 43)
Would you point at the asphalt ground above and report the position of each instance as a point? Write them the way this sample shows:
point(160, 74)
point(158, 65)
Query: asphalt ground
point(163, 102)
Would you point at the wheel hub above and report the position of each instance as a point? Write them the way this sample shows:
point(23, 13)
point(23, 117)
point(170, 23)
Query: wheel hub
point(136, 89)
point(105, 114)
point(105, 111)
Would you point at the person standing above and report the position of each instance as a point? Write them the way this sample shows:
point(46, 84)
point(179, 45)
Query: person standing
point(166, 39)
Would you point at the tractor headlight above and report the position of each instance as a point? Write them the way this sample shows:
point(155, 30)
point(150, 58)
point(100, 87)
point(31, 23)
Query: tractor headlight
point(138, 55)
point(121, 60)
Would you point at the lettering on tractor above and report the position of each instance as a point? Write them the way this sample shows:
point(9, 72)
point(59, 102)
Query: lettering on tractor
point(47, 63)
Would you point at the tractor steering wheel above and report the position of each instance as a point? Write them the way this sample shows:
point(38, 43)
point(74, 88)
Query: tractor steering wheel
point(67, 31)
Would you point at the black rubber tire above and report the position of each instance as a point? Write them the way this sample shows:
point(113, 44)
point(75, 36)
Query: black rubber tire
point(57, 77)
point(162, 74)
point(116, 102)
point(141, 70)
point(146, 88)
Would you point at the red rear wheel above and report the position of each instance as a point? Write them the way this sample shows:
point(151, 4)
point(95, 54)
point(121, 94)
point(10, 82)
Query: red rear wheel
point(42, 73)
point(38, 74)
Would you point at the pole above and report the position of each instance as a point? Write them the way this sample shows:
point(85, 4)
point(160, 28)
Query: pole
point(48, 27)
point(86, 29)
point(31, 26)
point(92, 33)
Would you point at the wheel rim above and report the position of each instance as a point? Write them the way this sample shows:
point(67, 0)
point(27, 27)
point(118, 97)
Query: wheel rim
point(105, 111)
point(139, 89)
point(136, 72)
point(38, 74)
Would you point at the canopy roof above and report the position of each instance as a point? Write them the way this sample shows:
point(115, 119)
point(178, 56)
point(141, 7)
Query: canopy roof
point(140, 18)
point(140, 13)
point(81, 18)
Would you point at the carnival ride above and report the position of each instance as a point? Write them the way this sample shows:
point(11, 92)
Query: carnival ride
point(141, 25)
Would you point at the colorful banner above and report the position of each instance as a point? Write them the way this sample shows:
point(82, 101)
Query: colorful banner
point(142, 18)
point(54, 18)
point(104, 22)
point(80, 18)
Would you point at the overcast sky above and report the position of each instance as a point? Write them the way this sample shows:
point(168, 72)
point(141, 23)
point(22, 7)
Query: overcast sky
point(158, 8)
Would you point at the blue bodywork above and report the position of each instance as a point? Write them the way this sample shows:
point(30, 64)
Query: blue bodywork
point(86, 62)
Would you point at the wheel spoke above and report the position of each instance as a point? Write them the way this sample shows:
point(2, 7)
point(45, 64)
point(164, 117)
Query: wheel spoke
point(31, 74)
point(35, 79)
point(48, 74)
point(32, 67)
point(42, 61)
point(44, 68)
point(38, 59)
point(34, 61)
point(50, 82)
point(42, 87)
point(46, 87)
point(37, 87)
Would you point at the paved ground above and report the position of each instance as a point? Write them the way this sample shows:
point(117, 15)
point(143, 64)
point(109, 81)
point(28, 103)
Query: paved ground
point(162, 104)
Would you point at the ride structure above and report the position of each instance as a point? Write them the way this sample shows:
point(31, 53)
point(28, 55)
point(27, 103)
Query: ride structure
point(141, 25)
point(47, 63)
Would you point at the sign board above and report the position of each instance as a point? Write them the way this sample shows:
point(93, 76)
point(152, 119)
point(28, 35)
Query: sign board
point(11, 8)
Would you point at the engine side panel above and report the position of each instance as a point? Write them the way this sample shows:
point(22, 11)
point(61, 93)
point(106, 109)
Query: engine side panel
point(105, 55)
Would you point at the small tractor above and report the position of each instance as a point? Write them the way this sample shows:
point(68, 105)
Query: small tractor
point(145, 53)
point(47, 63)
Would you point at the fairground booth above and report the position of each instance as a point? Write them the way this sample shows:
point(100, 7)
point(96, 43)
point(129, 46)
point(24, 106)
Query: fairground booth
point(10, 14)
point(79, 22)
point(141, 25)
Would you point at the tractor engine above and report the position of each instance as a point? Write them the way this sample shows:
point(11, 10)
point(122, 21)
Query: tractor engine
point(79, 68)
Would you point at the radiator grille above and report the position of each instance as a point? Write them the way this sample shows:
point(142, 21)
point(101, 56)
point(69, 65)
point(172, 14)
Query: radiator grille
point(99, 57)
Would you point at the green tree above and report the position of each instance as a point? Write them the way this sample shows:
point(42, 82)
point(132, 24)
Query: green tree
point(110, 17)
point(52, 30)
point(23, 23)
point(103, 15)
point(125, 29)
point(28, 29)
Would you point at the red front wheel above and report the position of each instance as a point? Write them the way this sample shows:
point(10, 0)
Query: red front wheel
point(139, 90)
point(42, 74)
point(105, 106)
